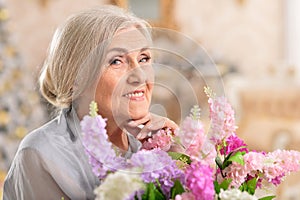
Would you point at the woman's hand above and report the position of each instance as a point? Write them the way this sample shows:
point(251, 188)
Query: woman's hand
point(150, 124)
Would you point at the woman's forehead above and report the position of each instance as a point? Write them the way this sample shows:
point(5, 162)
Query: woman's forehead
point(129, 39)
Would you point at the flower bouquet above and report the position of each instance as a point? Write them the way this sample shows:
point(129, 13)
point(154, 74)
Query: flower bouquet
point(215, 165)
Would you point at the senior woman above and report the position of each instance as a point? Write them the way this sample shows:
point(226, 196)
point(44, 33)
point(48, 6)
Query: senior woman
point(102, 54)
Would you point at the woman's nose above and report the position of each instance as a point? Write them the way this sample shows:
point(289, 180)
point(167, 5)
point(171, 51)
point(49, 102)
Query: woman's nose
point(136, 74)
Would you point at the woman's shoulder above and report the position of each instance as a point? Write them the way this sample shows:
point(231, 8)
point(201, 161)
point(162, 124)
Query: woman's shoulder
point(44, 136)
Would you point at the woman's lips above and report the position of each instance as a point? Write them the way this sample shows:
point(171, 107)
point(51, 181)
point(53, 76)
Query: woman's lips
point(137, 95)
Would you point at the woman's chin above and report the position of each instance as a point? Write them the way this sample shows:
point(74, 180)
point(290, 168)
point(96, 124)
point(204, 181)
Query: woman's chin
point(138, 115)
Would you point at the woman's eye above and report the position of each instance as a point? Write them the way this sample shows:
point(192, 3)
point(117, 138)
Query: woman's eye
point(116, 62)
point(145, 59)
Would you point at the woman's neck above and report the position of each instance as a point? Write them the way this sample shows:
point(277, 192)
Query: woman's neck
point(114, 132)
point(116, 135)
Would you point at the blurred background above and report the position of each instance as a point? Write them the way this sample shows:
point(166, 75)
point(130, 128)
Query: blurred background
point(255, 45)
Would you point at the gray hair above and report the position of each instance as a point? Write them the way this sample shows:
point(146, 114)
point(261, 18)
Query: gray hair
point(73, 49)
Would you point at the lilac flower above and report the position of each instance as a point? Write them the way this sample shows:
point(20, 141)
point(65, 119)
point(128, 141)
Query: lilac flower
point(199, 180)
point(192, 136)
point(222, 119)
point(189, 131)
point(208, 153)
point(157, 165)
point(234, 143)
point(102, 156)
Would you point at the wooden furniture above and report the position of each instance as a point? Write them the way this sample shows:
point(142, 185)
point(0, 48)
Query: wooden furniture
point(158, 12)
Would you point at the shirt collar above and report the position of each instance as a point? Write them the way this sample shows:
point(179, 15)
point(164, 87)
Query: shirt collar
point(73, 124)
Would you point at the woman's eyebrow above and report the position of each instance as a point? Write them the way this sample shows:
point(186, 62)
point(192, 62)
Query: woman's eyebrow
point(144, 49)
point(118, 49)
point(123, 50)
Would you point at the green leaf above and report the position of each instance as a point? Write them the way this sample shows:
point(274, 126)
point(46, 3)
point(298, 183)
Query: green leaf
point(180, 156)
point(146, 193)
point(93, 109)
point(217, 187)
point(227, 162)
point(176, 189)
point(224, 185)
point(237, 157)
point(152, 193)
point(251, 186)
point(243, 187)
point(219, 162)
point(158, 186)
point(158, 195)
point(267, 198)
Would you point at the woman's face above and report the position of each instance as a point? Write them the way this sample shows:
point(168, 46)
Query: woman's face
point(125, 86)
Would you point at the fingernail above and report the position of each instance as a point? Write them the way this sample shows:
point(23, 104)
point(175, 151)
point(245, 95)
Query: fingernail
point(149, 134)
point(141, 126)
point(132, 123)
point(139, 136)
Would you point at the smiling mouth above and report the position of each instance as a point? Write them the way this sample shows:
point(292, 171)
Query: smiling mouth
point(135, 94)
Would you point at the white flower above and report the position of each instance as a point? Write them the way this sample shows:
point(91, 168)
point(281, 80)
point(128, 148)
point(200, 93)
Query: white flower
point(235, 194)
point(119, 186)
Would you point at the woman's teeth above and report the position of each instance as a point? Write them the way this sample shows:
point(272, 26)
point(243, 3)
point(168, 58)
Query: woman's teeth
point(135, 94)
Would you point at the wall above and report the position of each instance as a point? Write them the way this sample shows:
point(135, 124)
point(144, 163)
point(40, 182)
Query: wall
point(245, 33)
point(33, 24)
point(248, 35)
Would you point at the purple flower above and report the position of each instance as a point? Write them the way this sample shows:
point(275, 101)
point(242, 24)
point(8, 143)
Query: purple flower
point(199, 180)
point(157, 165)
point(102, 156)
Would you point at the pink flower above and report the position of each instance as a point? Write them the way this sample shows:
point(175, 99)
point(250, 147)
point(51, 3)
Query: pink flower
point(222, 119)
point(209, 153)
point(271, 167)
point(289, 160)
point(199, 180)
point(162, 139)
point(185, 196)
point(239, 173)
point(192, 136)
point(234, 143)
point(280, 163)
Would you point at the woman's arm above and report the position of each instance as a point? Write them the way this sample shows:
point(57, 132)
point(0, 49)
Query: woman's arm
point(28, 178)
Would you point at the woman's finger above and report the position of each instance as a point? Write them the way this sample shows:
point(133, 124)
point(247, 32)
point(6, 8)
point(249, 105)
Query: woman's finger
point(142, 121)
point(155, 124)
point(149, 129)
